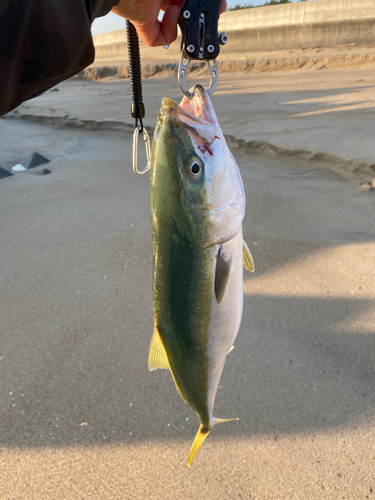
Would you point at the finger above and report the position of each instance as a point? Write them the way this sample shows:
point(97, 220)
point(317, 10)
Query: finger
point(169, 23)
point(161, 33)
point(223, 6)
point(166, 3)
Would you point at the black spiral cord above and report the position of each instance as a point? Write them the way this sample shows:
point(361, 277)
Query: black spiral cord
point(135, 76)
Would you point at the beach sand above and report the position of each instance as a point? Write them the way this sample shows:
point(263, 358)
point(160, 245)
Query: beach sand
point(81, 416)
point(323, 115)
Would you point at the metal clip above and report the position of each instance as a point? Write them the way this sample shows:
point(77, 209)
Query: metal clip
point(183, 69)
point(146, 138)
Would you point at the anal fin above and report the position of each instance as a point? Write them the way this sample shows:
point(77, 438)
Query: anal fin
point(157, 357)
point(248, 262)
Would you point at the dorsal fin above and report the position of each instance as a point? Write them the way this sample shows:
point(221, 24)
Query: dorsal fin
point(223, 265)
point(248, 262)
point(157, 357)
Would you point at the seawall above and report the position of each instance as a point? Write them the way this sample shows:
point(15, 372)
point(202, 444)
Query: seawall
point(305, 24)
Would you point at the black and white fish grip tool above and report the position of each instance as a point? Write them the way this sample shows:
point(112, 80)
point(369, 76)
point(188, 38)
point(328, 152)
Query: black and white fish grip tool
point(201, 41)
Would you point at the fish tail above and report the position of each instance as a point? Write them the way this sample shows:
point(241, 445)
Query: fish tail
point(202, 433)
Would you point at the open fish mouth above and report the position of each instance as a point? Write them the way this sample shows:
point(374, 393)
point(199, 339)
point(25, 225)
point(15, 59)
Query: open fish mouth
point(196, 115)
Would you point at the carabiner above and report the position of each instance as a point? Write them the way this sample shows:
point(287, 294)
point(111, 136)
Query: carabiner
point(146, 138)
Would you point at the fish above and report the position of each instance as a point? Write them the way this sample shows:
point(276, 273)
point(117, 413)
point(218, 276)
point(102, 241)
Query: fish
point(197, 209)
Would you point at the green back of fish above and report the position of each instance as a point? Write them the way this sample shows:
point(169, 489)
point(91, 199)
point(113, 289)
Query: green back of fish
point(183, 274)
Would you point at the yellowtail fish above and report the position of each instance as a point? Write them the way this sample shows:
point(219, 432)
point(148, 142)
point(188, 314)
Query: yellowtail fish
point(197, 208)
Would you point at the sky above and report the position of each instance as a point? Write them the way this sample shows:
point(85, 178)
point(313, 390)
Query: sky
point(111, 22)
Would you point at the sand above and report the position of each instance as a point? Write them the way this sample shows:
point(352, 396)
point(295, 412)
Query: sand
point(81, 416)
point(323, 116)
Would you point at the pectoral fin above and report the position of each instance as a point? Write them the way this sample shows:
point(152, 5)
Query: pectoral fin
point(248, 262)
point(157, 357)
point(223, 265)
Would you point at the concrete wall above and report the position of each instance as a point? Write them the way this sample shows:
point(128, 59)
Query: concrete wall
point(306, 36)
point(112, 37)
point(303, 24)
point(309, 12)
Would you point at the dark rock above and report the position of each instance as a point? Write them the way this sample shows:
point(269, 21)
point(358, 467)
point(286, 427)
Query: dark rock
point(34, 160)
point(4, 173)
point(45, 171)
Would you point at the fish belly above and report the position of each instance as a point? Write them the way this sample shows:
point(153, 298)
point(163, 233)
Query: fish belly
point(225, 318)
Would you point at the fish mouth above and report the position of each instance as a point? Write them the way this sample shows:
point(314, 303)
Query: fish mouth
point(196, 115)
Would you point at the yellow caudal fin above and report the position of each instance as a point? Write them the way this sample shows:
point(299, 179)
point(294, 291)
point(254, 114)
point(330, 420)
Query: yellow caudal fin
point(198, 441)
point(202, 433)
point(248, 262)
point(231, 349)
point(157, 357)
point(221, 420)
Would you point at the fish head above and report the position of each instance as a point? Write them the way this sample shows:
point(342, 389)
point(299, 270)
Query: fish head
point(194, 176)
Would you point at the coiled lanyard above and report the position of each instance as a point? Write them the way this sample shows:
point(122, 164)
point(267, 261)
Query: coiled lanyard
point(137, 106)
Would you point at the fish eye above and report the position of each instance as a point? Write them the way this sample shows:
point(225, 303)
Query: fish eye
point(195, 167)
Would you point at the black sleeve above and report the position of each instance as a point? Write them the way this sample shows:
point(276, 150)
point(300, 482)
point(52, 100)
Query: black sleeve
point(43, 42)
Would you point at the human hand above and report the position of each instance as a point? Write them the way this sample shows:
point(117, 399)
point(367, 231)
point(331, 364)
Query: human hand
point(144, 15)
